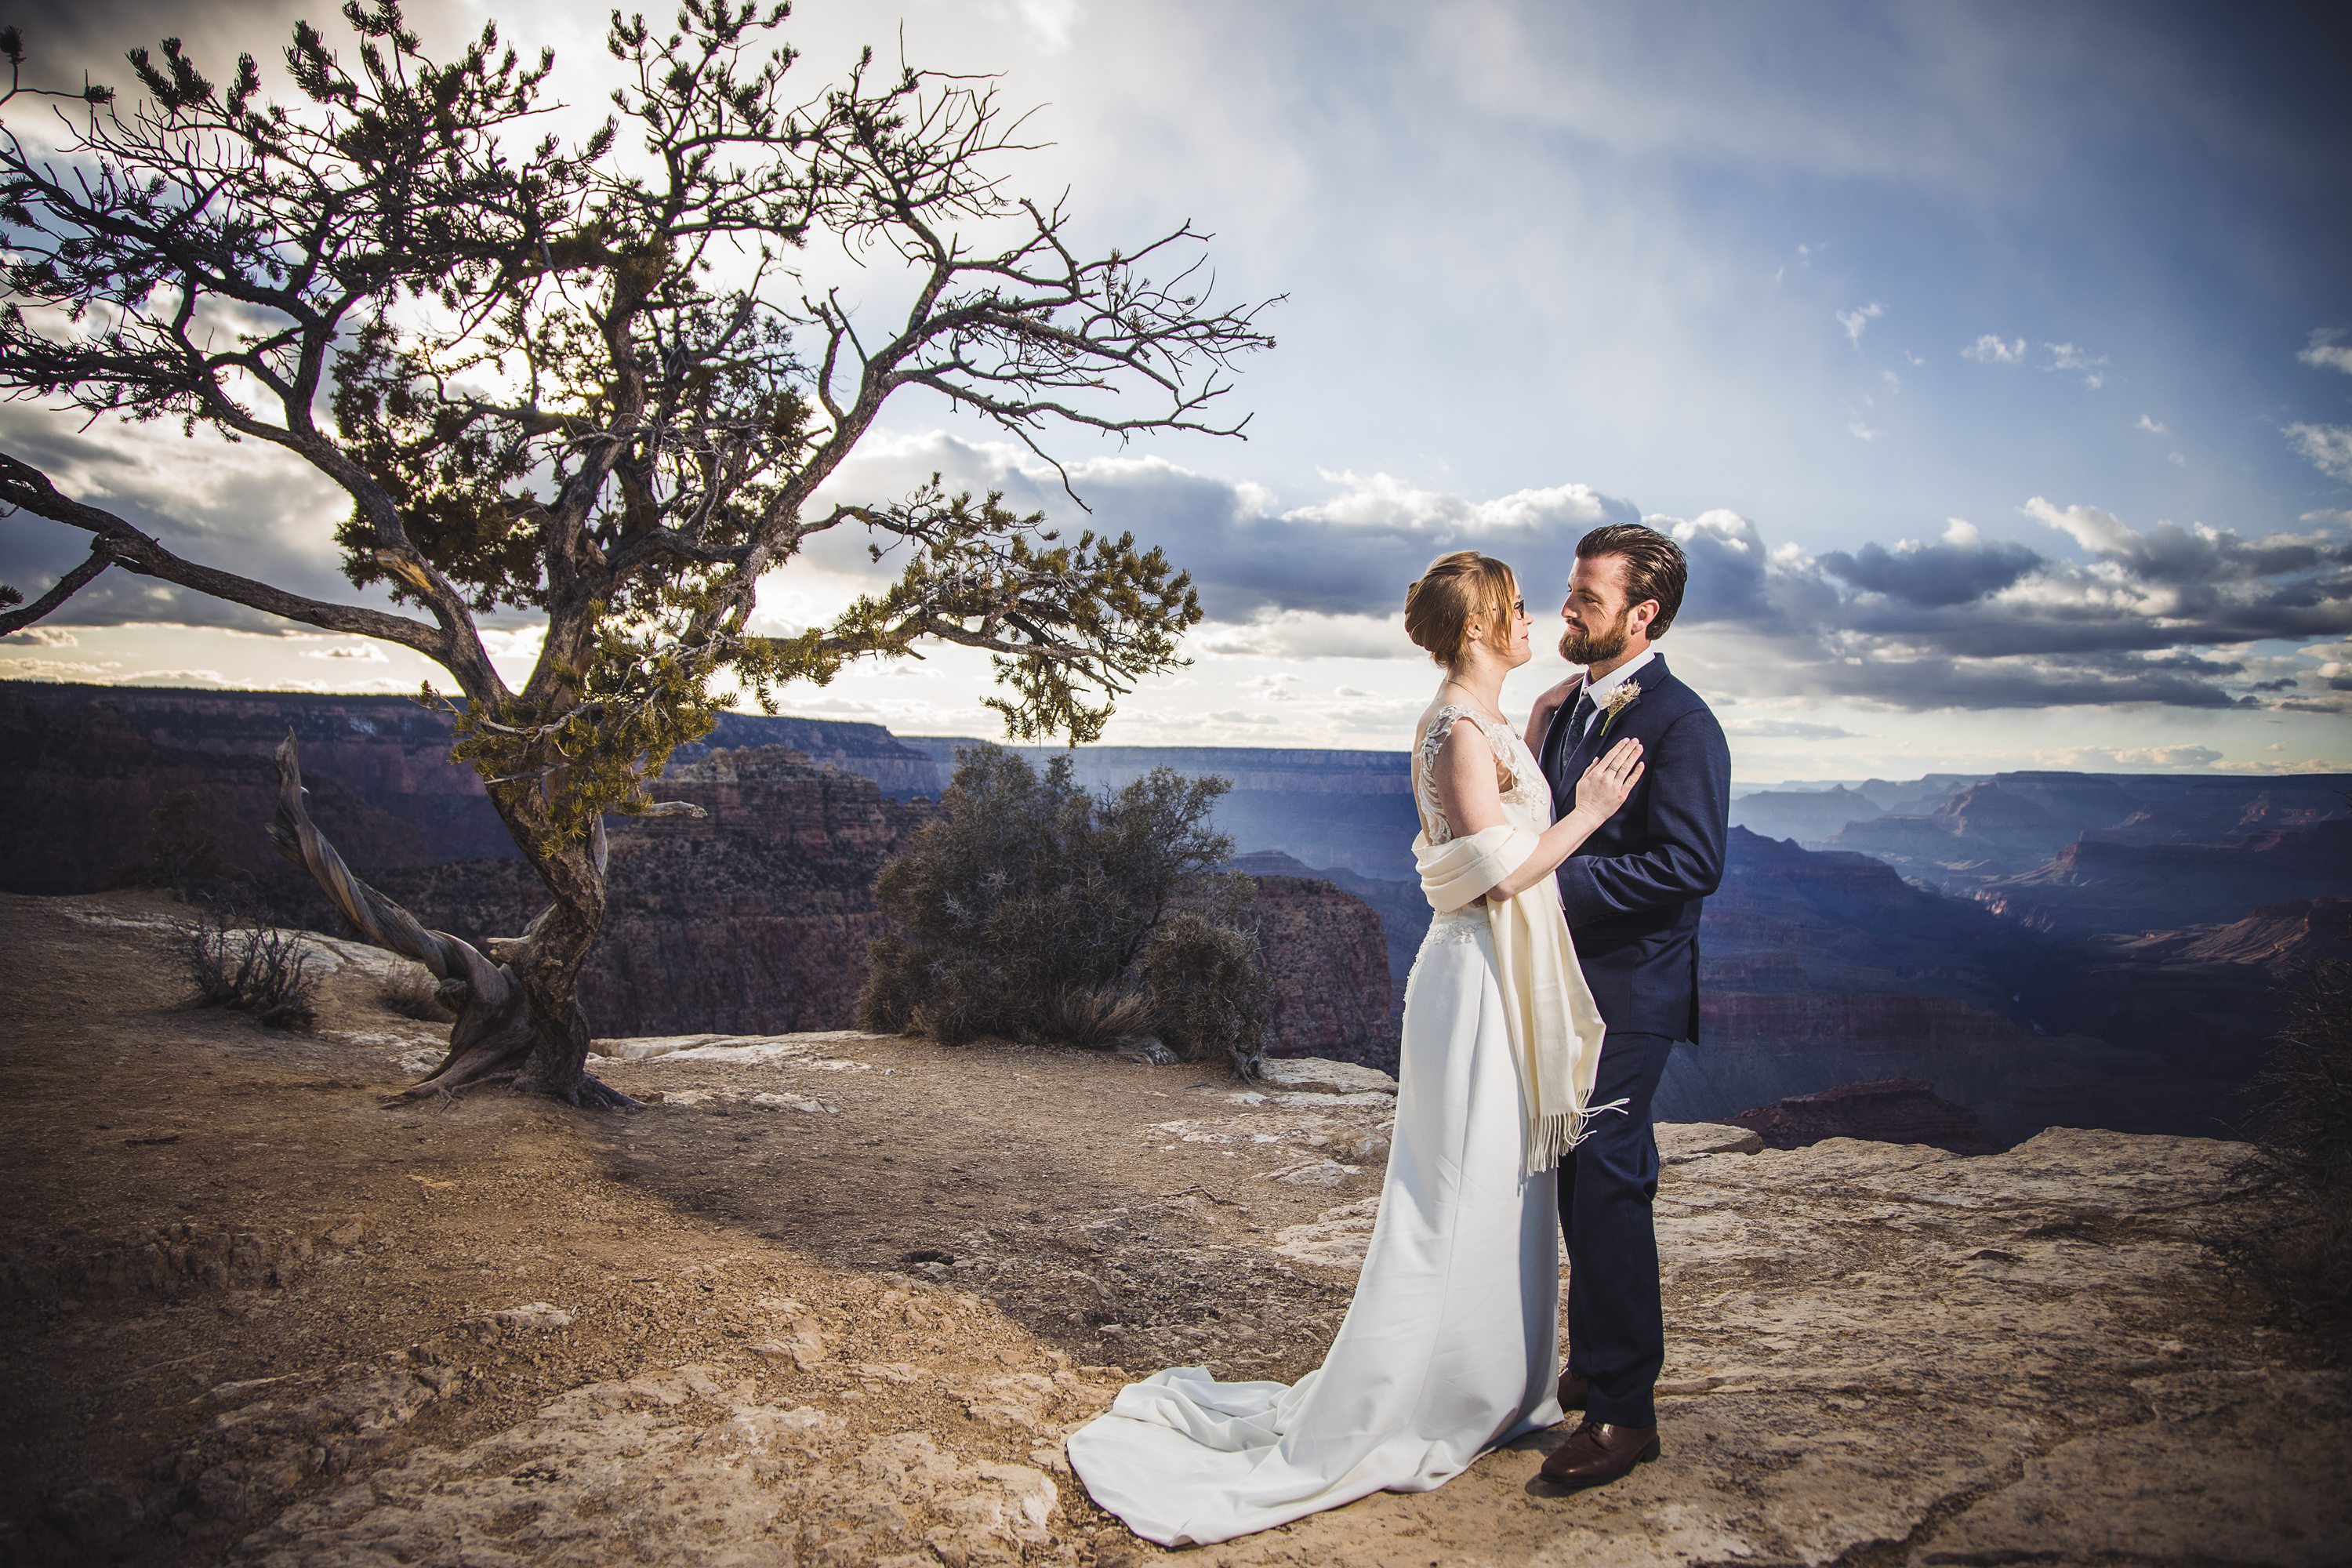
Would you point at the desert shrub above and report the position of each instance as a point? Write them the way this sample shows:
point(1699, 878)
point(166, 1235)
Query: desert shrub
point(259, 970)
point(1025, 908)
point(412, 993)
point(2292, 1237)
point(1209, 990)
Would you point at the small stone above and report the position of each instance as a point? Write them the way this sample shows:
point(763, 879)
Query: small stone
point(532, 1315)
point(1316, 1173)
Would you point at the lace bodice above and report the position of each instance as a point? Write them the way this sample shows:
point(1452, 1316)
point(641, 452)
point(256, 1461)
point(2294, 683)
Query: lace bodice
point(1527, 794)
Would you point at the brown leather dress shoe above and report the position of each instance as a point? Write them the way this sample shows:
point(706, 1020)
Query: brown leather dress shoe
point(1573, 1390)
point(1597, 1452)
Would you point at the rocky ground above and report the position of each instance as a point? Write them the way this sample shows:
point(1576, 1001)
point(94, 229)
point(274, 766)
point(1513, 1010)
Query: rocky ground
point(835, 1299)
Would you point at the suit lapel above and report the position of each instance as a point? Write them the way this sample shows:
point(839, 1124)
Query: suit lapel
point(1580, 750)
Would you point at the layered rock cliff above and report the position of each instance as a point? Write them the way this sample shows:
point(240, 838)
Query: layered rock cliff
point(2012, 824)
point(2097, 886)
point(755, 918)
point(81, 789)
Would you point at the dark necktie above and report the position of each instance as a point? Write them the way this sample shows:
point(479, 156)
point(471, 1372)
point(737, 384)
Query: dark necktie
point(1581, 719)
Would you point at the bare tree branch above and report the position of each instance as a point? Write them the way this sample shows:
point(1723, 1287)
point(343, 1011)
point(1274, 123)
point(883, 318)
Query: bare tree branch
point(24, 487)
point(67, 586)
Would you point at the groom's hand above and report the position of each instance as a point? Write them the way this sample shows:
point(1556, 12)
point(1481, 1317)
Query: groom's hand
point(1546, 706)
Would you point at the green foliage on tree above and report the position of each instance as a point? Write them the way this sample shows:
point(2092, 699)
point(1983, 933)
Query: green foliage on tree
point(1032, 909)
point(591, 381)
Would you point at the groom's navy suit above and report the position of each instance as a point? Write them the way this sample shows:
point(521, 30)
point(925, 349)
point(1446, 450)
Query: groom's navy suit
point(1633, 893)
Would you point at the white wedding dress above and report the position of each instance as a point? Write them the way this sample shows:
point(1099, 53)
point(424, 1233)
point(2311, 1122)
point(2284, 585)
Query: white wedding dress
point(1451, 1344)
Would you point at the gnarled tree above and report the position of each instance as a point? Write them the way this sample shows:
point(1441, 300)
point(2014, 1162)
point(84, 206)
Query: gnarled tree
point(590, 383)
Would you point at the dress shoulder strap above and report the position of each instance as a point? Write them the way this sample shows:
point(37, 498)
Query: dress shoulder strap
point(1441, 725)
point(1432, 741)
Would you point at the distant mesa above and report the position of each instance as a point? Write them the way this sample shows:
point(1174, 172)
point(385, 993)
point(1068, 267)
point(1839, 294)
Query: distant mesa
point(1889, 1110)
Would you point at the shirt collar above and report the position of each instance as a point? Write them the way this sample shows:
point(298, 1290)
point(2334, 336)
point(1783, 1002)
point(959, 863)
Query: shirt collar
point(1618, 676)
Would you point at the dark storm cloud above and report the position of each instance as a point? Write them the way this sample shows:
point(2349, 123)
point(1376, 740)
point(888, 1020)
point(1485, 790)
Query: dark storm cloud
point(1951, 572)
point(1352, 554)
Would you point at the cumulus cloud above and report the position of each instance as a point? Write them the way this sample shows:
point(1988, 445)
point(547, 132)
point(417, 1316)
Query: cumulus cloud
point(2326, 351)
point(1350, 554)
point(1861, 431)
point(2155, 615)
point(2327, 448)
point(2152, 426)
point(358, 652)
point(102, 672)
point(1856, 322)
point(2099, 610)
point(1988, 349)
point(2066, 356)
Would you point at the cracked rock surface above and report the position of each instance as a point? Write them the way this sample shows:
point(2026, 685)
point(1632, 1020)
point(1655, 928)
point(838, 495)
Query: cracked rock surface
point(838, 1300)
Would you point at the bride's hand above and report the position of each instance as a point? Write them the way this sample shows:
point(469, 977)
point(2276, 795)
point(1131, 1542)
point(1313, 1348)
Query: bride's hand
point(1610, 779)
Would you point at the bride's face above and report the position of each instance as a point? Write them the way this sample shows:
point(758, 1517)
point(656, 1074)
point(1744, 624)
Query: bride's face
point(1518, 647)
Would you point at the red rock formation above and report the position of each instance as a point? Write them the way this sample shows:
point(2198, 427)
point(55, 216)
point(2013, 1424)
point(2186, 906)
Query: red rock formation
point(754, 918)
point(1889, 1110)
point(1329, 962)
point(2095, 885)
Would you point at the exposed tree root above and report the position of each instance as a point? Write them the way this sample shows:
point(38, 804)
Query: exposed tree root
point(493, 1040)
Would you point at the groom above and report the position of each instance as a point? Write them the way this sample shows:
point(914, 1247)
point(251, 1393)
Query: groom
point(1632, 893)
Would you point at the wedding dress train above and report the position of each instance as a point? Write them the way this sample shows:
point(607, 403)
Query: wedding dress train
point(1452, 1343)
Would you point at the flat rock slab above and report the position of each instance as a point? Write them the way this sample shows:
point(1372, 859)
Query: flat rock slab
point(1890, 1355)
point(1318, 1075)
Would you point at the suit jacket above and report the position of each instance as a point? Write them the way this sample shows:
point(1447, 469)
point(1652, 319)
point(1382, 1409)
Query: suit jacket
point(1633, 890)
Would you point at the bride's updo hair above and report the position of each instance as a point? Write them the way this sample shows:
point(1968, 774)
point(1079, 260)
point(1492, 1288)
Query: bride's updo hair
point(1444, 609)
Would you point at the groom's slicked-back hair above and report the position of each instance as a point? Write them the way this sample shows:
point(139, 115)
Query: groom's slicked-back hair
point(1654, 566)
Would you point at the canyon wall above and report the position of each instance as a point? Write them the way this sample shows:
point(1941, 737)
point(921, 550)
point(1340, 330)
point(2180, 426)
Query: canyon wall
point(1324, 951)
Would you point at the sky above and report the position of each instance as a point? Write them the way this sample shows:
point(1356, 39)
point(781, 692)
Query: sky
point(1993, 363)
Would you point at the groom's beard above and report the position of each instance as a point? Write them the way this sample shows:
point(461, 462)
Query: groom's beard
point(1597, 647)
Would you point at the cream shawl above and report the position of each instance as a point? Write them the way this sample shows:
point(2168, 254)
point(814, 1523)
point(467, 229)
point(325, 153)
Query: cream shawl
point(1554, 1025)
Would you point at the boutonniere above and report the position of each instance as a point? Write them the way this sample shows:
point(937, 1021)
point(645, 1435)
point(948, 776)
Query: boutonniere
point(1616, 702)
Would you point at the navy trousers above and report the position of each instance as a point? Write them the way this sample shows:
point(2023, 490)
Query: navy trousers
point(1616, 1327)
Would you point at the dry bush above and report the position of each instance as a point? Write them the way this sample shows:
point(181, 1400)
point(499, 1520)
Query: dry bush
point(1209, 990)
point(2292, 1236)
point(253, 969)
point(412, 993)
point(1098, 1016)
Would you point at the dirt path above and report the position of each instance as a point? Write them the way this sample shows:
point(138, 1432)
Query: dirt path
point(835, 1301)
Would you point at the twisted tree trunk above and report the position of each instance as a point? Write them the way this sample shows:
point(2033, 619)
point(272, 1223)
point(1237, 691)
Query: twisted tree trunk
point(518, 1017)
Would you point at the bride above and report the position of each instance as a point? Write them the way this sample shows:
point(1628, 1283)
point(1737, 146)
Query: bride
point(1452, 1343)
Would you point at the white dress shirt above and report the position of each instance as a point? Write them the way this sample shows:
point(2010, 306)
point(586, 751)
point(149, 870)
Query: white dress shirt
point(1598, 690)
